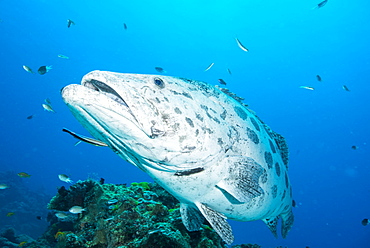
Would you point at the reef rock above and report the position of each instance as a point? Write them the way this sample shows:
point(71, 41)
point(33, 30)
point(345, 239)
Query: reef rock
point(140, 215)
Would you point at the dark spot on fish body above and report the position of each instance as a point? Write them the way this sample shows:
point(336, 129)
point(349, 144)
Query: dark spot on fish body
point(215, 120)
point(204, 107)
point(157, 100)
point(291, 192)
point(284, 194)
point(223, 115)
point(286, 207)
point(264, 176)
point(241, 113)
point(207, 130)
point(272, 146)
point(199, 117)
point(196, 133)
point(214, 111)
point(220, 142)
point(188, 149)
point(177, 111)
point(189, 121)
point(253, 136)
point(286, 180)
point(268, 159)
point(277, 168)
point(255, 124)
point(274, 191)
point(166, 99)
point(187, 95)
point(175, 127)
point(182, 138)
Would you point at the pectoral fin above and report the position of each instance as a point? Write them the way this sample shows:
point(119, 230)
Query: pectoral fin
point(191, 217)
point(242, 178)
point(218, 222)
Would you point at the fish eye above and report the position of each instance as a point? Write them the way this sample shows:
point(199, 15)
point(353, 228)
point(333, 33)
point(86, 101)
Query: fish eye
point(159, 82)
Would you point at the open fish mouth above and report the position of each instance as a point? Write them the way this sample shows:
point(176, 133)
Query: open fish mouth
point(104, 89)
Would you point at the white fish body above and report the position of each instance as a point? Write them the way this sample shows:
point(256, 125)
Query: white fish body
point(3, 186)
point(240, 45)
point(27, 69)
point(209, 67)
point(203, 146)
point(64, 178)
point(62, 56)
point(76, 210)
point(48, 107)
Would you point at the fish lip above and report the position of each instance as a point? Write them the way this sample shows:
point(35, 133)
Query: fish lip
point(105, 89)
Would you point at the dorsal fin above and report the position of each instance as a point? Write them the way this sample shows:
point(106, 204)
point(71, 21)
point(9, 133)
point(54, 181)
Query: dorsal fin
point(280, 142)
point(232, 95)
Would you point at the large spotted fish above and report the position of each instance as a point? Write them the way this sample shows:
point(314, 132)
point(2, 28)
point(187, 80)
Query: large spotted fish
point(199, 142)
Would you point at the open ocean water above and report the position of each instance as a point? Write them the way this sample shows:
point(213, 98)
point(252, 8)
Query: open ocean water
point(290, 43)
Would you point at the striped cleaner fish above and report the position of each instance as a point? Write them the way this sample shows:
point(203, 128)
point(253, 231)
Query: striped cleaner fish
point(199, 142)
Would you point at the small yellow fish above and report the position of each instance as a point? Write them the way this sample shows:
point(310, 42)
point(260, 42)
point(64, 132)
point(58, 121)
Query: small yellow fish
point(307, 87)
point(76, 210)
point(3, 186)
point(27, 69)
point(240, 45)
point(10, 214)
point(62, 56)
point(23, 174)
point(22, 243)
point(48, 107)
point(59, 233)
point(209, 67)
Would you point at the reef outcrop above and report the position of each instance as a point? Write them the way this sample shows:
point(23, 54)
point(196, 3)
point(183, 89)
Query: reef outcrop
point(139, 215)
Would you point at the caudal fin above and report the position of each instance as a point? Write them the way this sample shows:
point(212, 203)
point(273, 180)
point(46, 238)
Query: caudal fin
point(287, 220)
point(287, 223)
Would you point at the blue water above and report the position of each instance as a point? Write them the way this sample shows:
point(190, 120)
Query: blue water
point(289, 44)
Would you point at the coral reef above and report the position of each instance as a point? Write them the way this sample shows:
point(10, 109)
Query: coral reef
point(140, 215)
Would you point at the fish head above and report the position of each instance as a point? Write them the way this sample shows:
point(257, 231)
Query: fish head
point(159, 121)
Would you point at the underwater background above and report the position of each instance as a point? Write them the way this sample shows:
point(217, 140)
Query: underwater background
point(290, 43)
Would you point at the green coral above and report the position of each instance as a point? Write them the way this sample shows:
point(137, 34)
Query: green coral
point(144, 185)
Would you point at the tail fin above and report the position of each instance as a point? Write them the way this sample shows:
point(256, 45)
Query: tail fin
point(272, 224)
point(287, 222)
